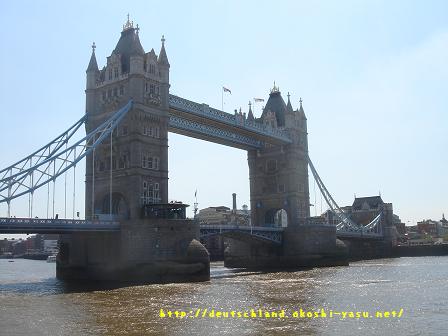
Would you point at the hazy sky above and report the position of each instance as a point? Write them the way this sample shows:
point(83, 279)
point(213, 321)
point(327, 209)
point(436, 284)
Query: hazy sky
point(373, 76)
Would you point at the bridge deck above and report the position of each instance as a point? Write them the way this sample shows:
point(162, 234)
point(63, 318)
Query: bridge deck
point(58, 226)
point(271, 234)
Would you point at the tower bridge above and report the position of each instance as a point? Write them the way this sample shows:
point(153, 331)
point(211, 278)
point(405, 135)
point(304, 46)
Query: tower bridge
point(131, 232)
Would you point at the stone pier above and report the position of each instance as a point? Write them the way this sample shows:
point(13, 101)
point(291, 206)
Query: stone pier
point(144, 251)
point(303, 246)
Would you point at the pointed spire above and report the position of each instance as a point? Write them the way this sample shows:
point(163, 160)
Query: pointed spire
point(163, 59)
point(250, 115)
point(288, 105)
point(93, 65)
point(301, 111)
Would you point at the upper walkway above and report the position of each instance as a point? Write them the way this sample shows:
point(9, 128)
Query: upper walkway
point(204, 122)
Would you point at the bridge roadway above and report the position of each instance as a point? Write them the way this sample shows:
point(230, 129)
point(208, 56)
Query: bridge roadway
point(57, 226)
point(65, 226)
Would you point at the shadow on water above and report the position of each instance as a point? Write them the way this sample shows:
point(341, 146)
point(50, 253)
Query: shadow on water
point(54, 286)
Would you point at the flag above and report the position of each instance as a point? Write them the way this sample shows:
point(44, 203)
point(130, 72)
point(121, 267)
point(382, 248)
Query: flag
point(226, 90)
point(257, 100)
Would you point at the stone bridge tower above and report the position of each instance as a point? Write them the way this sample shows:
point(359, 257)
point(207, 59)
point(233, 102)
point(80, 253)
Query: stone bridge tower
point(279, 174)
point(138, 160)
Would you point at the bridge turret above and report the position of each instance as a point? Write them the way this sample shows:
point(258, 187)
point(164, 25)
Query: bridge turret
point(275, 106)
point(250, 115)
point(164, 68)
point(289, 115)
point(92, 75)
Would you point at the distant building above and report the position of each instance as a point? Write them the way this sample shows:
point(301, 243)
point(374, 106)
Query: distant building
point(362, 211)
point(428, 226)
point(221, 215)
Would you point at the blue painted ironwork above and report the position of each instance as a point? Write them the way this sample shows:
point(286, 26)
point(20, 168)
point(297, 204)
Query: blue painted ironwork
point(347, 226)
point(196, 127)
point(37, 225)
point(41, 154)
point(274, 235)
point(59, 161)
point(203, 110)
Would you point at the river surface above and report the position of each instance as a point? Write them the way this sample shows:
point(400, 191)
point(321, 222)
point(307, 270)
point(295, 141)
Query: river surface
point(34, 302)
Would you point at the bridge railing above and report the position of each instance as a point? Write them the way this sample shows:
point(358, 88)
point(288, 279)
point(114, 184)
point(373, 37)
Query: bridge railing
point(55, 221)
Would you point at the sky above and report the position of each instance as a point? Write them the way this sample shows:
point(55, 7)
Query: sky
point(373, 77)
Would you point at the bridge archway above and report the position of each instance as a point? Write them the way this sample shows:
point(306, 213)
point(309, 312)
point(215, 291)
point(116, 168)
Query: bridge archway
point(276, 217)
point(120, 206)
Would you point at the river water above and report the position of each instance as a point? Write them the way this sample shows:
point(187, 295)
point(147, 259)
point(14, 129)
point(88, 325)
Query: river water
point(33, 302)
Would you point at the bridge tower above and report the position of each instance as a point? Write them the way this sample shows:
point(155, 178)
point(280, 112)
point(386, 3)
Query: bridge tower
point(279, 174)
point(134, 170)
point(127, 177)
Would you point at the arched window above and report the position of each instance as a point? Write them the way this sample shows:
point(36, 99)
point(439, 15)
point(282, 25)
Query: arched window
point(156, 192)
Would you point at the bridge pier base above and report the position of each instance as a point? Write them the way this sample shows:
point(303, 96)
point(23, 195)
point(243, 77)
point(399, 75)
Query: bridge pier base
point(303, 246)
point(144, 251)
point(364, 249)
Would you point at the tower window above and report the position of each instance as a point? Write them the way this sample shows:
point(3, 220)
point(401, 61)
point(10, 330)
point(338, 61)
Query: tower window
point(124, 161)
point(271, 166)
point(121, 90)
point(104, 95)
point(152, 69)
point(115, 92)
point(152, 89)
point(110, 73)
point(146, 87)
point(156, 191)
point(115, 72)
